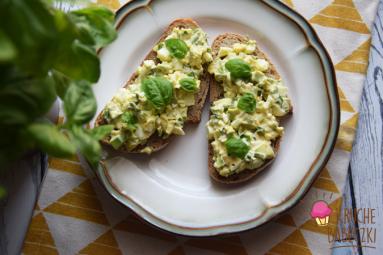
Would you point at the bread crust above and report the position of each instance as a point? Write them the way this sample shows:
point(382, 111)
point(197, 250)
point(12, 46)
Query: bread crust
point(194, 112)
point(216, 92)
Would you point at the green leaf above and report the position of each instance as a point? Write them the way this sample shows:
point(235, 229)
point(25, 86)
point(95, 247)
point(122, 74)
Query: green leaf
point(158, 90)
point(177, 48)
point(129, 118)
point(30, 26)
point(13, 144)
point(238, 69)
point(96, 11)
point(79, 62)
point(48, 138)
point(45, 52)
point(25, 99)
point(100, 132)
point(3, 192)
point(188, 84)
point(79, 103)
point(10, 73)
point(75, 53)
point(97, 22)
point(7, 49)
point(129, 121)
point(62, 83)
point(247, 103)
point(236, 147)
point(87, 144)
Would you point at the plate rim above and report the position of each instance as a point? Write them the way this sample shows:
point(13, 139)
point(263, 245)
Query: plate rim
point(313, 41)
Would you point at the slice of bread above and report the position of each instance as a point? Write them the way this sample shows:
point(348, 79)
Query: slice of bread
point(216, 92)
point(194, 112)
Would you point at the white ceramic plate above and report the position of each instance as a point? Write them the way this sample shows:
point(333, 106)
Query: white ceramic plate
point(172, 189)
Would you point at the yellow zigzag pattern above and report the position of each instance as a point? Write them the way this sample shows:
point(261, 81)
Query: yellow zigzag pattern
point(295, 243)
point(344, 104)
point(341, 14)
point(357, 61)
point(81, 203)
point(347, 133)
point(325, 182)
point(133, 225)
point(287, 220)
point(105, 244)
point(219, 244)
point(66, 166)
point(39, 240)
point(112, 4)
point(289, 3)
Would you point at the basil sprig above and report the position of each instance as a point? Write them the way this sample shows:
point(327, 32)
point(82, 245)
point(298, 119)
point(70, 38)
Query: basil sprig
point(44, 54)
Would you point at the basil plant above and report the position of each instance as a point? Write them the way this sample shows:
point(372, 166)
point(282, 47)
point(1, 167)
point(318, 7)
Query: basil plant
point(44, 54)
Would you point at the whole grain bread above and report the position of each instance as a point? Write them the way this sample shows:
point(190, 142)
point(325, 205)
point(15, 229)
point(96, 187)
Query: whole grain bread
point(194, 112)
point(216, 92)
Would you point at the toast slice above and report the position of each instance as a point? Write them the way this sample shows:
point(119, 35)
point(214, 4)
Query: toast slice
point(194, 112)
point(216, 92)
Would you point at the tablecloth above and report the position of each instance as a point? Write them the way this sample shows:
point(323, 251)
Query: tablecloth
point(75, 215)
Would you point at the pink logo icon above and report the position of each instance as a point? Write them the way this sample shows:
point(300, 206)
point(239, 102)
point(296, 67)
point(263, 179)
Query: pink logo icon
point(321, 213)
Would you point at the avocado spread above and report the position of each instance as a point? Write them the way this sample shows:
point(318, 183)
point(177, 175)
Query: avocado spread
point(158, 99)
point(243, 124)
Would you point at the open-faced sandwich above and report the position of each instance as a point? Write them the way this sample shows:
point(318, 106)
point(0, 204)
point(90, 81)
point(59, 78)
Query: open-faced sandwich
point(168, 90)
point(248, 98)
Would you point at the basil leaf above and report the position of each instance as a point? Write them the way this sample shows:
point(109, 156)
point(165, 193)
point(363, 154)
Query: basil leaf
point(51, 140)
point(236, 148)
point(129, 118)
point(129, 121)
point(158, 90)
point(88, 145)
point(45, 52)
point(3, 192)
point(7, 49)
point(98, 22)
point(238, 69)
point(78, 61)
point(100, 132)
point(99, 12)
point(79, 103)
point(62, 83)
point(188, 84)
point(31, 28)
point(247, 103)
point(24, 100)
point(177, 48)
point(13, 143)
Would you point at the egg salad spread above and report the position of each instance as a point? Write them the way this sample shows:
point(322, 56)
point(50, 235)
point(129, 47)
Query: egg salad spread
point(243, 124)
point(158, 99)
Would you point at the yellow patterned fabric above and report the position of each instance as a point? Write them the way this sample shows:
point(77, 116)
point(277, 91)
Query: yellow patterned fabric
point(75, 215)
